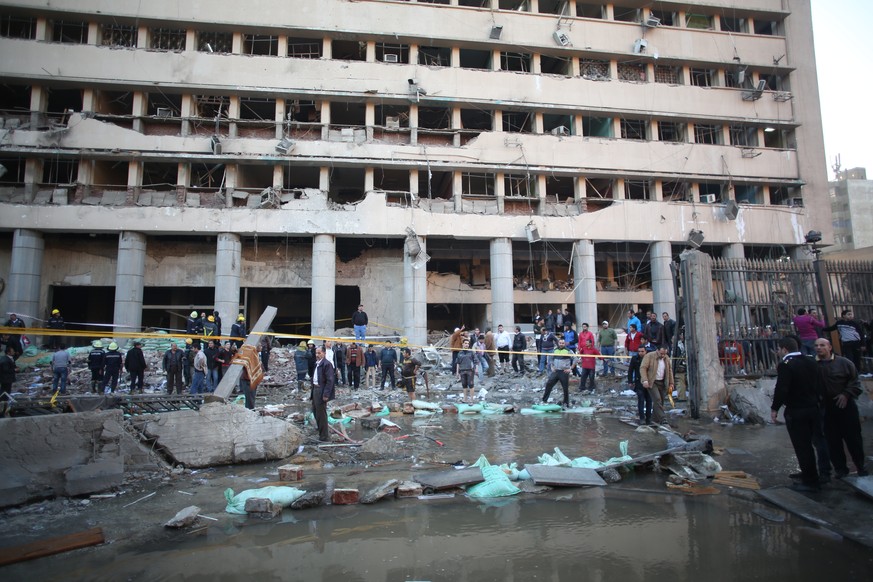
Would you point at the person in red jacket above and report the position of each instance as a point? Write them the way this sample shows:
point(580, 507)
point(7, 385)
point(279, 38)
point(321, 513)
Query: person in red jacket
point(633, 340)
point(588, 364)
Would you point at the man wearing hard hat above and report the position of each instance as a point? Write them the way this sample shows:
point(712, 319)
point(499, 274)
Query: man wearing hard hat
point(55, 322)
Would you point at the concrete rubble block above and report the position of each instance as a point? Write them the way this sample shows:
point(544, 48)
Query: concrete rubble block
point(381, 446)
point(408, 489)
point(380, 491)
point(184, 517)
point(345, 496)
point(221, 434)
point(408, 408)
point(309, 499)
point(262, 507)
point(290, 473)
point(751, 403)
point(371, 423)
point(611, 475)
point(94, 477)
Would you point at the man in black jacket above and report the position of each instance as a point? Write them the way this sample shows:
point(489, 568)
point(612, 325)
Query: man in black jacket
point(635, 381)
point(798, 388)
point(134, 363)
point(851, 336)
point(519, 346)
point(322, 392)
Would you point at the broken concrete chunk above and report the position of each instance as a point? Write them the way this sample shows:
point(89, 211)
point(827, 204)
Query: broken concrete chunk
point(345, 496)
point(370, 423)
point(309, 499)
point(408, 489)
point(379, 447)
point(262, 507)
point(380, 491)
point(184, 517)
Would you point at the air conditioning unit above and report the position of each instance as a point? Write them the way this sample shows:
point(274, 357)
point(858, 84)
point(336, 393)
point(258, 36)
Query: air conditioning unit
point(392, 122)
point(640, 46)
point(795, 202)
point(561, 38)
point(284, 146)
point(165, 112)
point(215, 143)
point(653, 21)
point(561, 130)
point(496, 31)
point(391, 58)
point(707, 198)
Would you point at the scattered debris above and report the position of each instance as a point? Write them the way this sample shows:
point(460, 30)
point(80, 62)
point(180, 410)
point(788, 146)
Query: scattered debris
point(184, 517)
point(736, 479)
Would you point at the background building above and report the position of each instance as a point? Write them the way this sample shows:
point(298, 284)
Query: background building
point(314, 155)
point(852, 206)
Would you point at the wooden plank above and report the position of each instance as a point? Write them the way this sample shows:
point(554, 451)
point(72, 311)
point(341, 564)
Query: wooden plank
point(437, 480)
point(862, 484)
point(231, 378)
point(51, 546)
point(564, 476)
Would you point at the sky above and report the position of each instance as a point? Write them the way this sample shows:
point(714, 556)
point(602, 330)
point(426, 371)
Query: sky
point(846, 90)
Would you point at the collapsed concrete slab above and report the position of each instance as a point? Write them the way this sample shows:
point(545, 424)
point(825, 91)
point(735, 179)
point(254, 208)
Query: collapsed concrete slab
point(222, 434)
point(66, 454)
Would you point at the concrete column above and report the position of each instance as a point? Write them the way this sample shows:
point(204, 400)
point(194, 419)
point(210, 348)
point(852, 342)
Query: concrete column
point(663, 290)
point(502, 306)
point(129, 282)
point(228, 265)
point(25, 271)
point(323, 284)
point(738, 315)
point(706, 385)
point(584, 282)
point(415, 299)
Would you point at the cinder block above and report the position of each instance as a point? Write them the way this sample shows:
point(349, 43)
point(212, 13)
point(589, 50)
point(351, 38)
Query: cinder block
point(262, 507)
point(290, 473)
point(345, 496)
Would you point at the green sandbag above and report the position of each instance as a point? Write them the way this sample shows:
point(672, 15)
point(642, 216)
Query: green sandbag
point(496, 483)
point(283, 496)
point(531, 411)
point(468, 408)
point(384, 412)
point(547, 407)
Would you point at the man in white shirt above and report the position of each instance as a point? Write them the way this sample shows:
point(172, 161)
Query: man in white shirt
point(503, 341)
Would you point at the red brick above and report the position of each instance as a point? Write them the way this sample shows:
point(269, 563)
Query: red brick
point(345, 496)
point(290, 473)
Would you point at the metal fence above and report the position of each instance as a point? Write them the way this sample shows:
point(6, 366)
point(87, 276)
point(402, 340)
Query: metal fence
point(756, 301)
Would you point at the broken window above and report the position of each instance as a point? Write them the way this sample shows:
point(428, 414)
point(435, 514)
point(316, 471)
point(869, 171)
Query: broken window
point(474, 59)
point(732, 78)
point(748, 194)
point(517, 121)
point(785, 196)
point(474, 184)
point(626, 14)
point(517, 5)
point(552, 7)
point(705, 133)
point(164, 105)
point(57, 171)
point(349, 50)
point(69, 31)
point(518, 62)
point(590, 10)
point(731, 24)
point(14, 174)
point(710, 192)
point(211, 106)
point(774, 82)
point(434, 56)
point(557, 124)
point(598, 193)
point(434, 118)
point(744, 135)
point(392, 116)
point(519, 186)
point(637, 189)
point(634, 129)
point(251, 181)
point(594, 70)
point(121, 35)
point(434, 184)
point(560, 189)
point(207, 177)
point(352, 114)
point(215, 42)
point(257, 109)
point(597, 127)
point(110, 175)
point(114, 102)
point(676, 191)
point(698, 21)
point(63, 101)
point(392, 53)
point(300, 177)
point(305, 48)
point(260, 44)
point(445, 2)
point(477, 119)
point(672, 131)
point(668, 74)
point(702, 77)
point(168, 39)
point(632, 72)
point(346, 185)
point(667, 18)
point(780, 139)
point(17, 26)
point(555, 65)
point(766, 27)
point(301, 111)
point(395, 185)
point(160, 176)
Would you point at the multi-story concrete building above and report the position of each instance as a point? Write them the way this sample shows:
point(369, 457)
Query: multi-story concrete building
point(314, 155)
point(852, 206)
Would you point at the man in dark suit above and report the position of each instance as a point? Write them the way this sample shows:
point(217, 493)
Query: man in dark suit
point(798, 388)
point(322, 392)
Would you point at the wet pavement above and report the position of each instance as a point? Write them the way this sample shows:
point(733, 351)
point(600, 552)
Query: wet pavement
point(636, 529)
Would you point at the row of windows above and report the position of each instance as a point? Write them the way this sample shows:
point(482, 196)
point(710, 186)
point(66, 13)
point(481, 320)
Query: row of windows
point(348, 183)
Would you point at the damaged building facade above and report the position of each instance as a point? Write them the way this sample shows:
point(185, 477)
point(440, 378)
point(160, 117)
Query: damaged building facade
point(441, 162)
